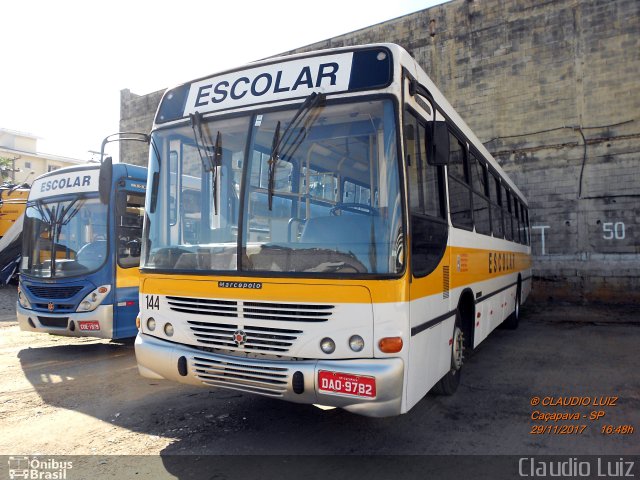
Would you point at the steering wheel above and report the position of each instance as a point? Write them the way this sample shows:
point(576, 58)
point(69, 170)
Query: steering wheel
point(93, 252)
point(354, 208)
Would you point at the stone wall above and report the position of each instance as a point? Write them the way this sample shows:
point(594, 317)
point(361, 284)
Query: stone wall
point(136, 115)
point(552, 90)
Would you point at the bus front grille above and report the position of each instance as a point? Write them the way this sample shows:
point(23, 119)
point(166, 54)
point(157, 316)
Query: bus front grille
point(57, 307)
point(243, 338)
point(243, 375)
point(204, 306)
point(208, 320)
point(48, 291)
point(286, 312)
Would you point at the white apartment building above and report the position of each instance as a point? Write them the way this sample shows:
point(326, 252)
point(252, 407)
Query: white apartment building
point(26, 162)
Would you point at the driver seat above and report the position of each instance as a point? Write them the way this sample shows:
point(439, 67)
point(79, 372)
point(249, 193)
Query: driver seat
point(344, 233)
point(334, 230)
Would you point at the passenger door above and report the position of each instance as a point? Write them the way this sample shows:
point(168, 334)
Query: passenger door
point(128, 242)
point(429, 261)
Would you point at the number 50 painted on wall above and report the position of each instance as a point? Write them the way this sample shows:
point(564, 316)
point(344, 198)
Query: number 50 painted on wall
point(613, 231)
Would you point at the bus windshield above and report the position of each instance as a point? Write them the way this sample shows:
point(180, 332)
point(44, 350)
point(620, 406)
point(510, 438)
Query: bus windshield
point(311, 191)
point(64, 238)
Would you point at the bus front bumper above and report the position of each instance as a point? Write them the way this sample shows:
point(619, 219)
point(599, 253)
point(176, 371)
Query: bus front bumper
point(97, 323)
point(294, 381)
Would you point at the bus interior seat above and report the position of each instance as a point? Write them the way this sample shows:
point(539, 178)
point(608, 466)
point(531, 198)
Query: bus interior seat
point(343, 229)
point(345, 233)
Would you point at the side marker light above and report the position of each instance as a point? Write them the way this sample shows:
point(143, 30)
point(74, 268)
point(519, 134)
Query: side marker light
point(390, 344)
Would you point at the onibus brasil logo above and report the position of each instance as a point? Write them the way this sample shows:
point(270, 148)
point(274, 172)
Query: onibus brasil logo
point(38, 469)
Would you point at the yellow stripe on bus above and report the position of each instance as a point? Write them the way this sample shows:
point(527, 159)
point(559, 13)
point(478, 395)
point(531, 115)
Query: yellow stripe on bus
point(127, 277)
point(242, 288)
point(468, 266)
point(474, 265)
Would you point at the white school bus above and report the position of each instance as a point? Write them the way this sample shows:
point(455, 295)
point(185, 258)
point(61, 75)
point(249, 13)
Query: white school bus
point(323, 228)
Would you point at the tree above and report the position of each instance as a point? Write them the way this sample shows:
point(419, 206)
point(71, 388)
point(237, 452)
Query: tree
point(6, 167)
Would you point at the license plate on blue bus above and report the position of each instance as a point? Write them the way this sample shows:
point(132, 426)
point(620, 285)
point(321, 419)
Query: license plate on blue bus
point(90, 325)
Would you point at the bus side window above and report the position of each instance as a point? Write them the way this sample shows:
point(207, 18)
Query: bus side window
point(429, 229)
point(480, 200)
point(528, 228)
point(354, 193)
point(514, 221)
point(459, 188)
point(129, 229)
point(525, 223)
point(506, 210)
point(496, 210)
point(173, 187)
point(516, 216)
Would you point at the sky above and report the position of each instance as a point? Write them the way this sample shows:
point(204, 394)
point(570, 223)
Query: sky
point(64, 62)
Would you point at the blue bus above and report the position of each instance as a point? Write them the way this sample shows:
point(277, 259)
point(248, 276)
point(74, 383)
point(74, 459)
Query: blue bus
point(81, 251)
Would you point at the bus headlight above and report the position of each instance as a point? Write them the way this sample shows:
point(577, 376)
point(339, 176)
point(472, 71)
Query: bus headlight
point(95, 298)
point(168, 330)
point(356, 343)
point(327, 345)
point(23, 300)
point(151, 324)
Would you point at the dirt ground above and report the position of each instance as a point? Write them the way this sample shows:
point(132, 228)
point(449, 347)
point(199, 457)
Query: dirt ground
point(67, 396)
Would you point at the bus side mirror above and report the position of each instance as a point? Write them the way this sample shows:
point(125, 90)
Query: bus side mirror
point(439, 144)
point(104, 179)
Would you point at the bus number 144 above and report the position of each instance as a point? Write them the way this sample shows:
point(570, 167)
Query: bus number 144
point(153, 302)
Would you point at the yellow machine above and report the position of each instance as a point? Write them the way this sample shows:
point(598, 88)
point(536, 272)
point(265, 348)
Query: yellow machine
point(13, 201)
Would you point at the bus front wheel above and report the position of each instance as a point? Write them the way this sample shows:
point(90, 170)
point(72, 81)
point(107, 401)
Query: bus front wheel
point(448, 384)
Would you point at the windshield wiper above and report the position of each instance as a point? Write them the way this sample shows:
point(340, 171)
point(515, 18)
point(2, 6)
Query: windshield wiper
point(64, 216)
point(217, 161)
point(58, 217)
point(155, 180)
point(44, 212)
point(211, 157)
point(275, 145)
point(312, 101)
point(67, 214)
point(53, 233)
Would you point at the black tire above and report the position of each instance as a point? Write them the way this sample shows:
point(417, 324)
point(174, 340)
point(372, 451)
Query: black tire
point(512, 321)
point(448, 384)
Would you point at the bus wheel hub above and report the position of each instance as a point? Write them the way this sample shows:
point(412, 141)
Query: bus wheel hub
point(458, 349)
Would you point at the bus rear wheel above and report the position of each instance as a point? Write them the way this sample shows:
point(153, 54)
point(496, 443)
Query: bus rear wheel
point(512, 321)
point(448, 384)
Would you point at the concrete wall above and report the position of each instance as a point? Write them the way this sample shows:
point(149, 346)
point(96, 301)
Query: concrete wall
point(552, 90)
point(136, 115)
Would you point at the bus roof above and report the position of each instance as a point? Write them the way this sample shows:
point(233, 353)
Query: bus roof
point(289, 78)
point(80, 179)
point(408, 62)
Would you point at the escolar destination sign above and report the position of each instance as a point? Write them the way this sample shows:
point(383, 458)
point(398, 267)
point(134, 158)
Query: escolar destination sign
point(271, 82)
point(295, 78)
point(80, 181)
